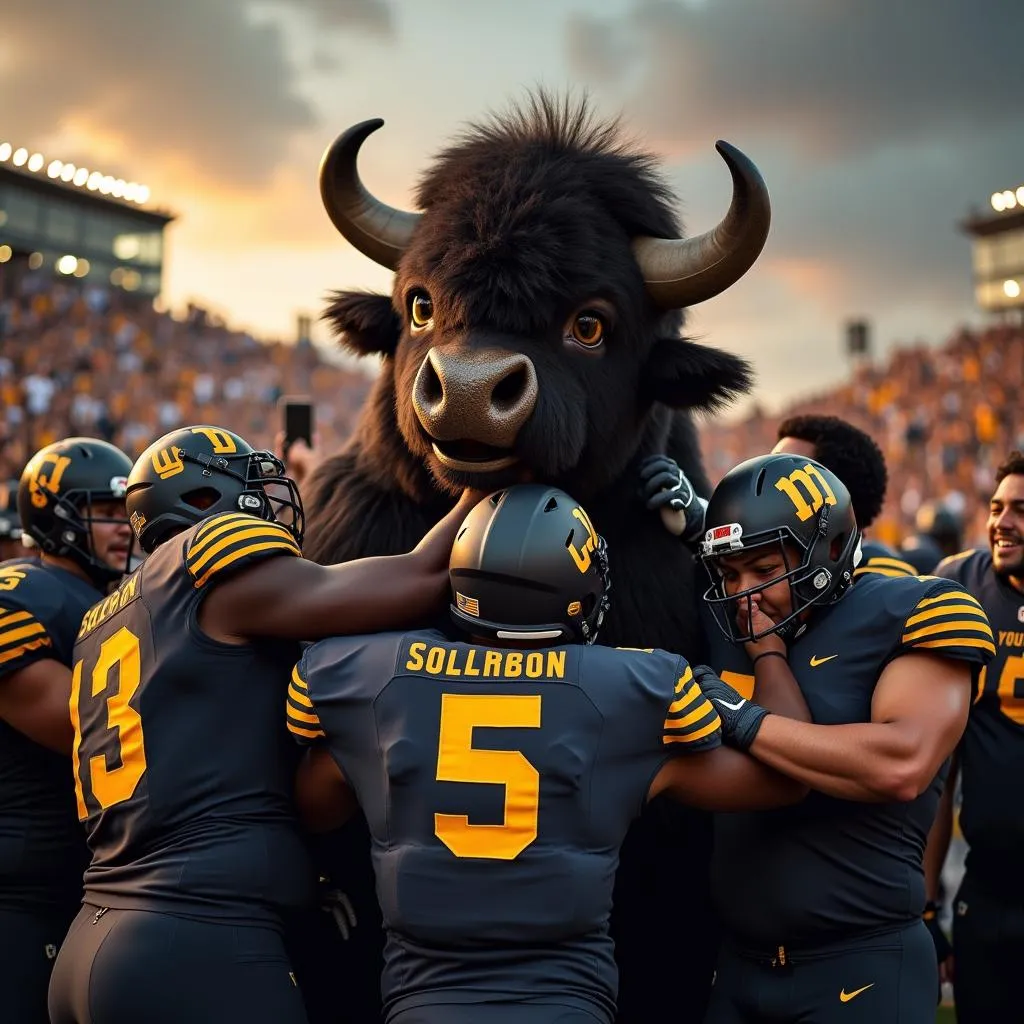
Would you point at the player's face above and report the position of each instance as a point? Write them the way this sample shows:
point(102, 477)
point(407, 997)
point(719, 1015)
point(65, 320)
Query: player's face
point(795, 446)
point(755, 570)
point(111, 541)
point(1006, 526)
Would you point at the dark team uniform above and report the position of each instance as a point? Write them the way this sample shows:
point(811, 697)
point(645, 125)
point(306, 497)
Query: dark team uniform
point(42, 845)
point(879, 560)
point(498, 786)
point(821, 902)
point(988, 921)
point(183, 774)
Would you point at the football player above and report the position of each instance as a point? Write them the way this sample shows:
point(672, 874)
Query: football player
point(182, 764)
point(499, 772)
point(988, 918)
point(71, 504)
point(821, 903)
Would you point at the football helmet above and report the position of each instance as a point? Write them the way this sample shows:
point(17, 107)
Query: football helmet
point(56, 494)
point(193, 473)
point(527, 564)
point(774, 500)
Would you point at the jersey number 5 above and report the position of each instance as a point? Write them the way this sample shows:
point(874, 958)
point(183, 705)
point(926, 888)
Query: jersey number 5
point(111, 785)
point(1009, 690)
point(459, 761)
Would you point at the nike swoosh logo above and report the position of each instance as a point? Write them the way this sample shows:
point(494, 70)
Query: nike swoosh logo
point(816, 661)
point(845, 997)
point(731, 707)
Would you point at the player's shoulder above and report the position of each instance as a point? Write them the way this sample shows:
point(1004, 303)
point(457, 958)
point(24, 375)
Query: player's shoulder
point(967, 567)
point(627, 672)
point(877, 598)
point(364, 660)
point(879, 560)
point(43, 590)
point(222, 545)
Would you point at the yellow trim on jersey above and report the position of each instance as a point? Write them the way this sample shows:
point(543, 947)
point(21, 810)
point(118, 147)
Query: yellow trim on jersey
point(949, 595)
point(223, 533)
point(951, 629)
point(687, 698)
point(692, 737)
point(296, 719)
point(686, 677)
point(958, 641)
point(21, 635)
point(882, 565)
point(946, 609)
point(691, 719)
point(200, 554)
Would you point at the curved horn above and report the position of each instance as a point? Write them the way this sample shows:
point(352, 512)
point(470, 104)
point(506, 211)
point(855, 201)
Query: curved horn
point(374, 228)
point(682, 272)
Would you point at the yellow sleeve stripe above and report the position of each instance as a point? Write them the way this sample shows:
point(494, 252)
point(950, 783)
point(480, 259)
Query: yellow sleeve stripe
point(9, 619)
point(16, 652)
point(299, 697)
point(306, 734)
point(218, 524)
point(687, 698)
point(686, 677)
point(952, 629)
point(692, 718)
point(303, 716)
point(960, 641)
point(884, 562)
point(197, 558)
point(950, 595)
point(945, 609)
point(250, 549)
point(13, 636)
point(875, 570)
point(692, 737)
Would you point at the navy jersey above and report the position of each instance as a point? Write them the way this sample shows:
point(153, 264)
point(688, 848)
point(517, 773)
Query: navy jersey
point(879, 560)
point(182, 766)
point(498, 786)
point(827, 869)
point(42, 845)
point(992, 749)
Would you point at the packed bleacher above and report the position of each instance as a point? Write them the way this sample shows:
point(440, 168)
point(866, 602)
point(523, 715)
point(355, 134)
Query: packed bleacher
point(102, 364)
point(944, 417)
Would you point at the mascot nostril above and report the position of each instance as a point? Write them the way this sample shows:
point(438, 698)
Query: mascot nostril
point(472, 404)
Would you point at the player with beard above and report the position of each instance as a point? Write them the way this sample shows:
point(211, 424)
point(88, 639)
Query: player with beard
point(988, 923)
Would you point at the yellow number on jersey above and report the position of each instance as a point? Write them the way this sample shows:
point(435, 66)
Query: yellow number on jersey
point(1011, 703)
point(10, 578)
point(112, 785)
point(459, 761)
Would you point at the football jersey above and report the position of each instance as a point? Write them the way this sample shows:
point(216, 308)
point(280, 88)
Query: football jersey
point(498, 785)
point(992, 748)
point(826, 869)
point(183, 768)
point(879, 560)
point(42, 845)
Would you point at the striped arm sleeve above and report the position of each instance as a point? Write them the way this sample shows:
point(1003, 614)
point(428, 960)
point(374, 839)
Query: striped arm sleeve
point(691, 720)
point(229, 542)
point(951, 624)
point(23, 640)
point(302, 719)
point(883, 566)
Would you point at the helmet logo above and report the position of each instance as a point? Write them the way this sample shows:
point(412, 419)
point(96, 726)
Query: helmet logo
point(469, 605)
point(821, 580)
point(138, 521)
point(118, 486)
point(574, 608)
point(223, 443)
point(807, 498)
point(54, 465)
point(728, 536)
point(168, 462)
point(582, 556)
point(249, 501)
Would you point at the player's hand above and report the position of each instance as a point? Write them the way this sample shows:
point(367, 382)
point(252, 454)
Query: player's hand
point(756, 621)
point(740, 717)
point(299, 460)
point(339, 906)
point(665, 488)
point(943, 949)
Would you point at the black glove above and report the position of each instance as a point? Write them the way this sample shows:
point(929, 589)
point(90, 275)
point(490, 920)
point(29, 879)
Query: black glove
point(665, 488)
point(943, 950)
point(740, 717)
point(339, 906)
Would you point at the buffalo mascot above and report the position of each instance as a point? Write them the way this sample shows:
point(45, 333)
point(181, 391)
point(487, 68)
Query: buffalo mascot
point(534, 332)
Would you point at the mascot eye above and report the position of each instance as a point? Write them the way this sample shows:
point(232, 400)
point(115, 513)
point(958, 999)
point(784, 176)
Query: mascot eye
point(588, 329)
point(421, 310)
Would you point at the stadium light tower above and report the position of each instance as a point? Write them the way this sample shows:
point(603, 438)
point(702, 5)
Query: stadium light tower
point(998, 252)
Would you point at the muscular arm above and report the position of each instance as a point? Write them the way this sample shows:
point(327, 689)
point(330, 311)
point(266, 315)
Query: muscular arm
point(918, 714)
point(295, 599)
point(34, 700)
point(724, 779)
point(324, 799)
point(939, 837)
point(775, 688)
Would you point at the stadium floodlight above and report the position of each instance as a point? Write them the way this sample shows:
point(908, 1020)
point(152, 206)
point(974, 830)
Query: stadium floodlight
point(54, 169)
point(67, 264)
point(1011, 289)
point(83, 267)
point(1009, 199)
point(81, 176)
point(20, 157)
point(142, 194)
point(6, 252)
point(6, 149)
point(67, 172)
point(94, 181)
point(35, 162)
point(997, 202)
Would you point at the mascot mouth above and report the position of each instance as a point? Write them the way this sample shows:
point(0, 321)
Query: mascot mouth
point(472, 456)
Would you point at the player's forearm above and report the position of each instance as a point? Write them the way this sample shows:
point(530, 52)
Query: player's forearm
point(434, 550)
point(938, 840)
point(871, 762)
point(776, 689)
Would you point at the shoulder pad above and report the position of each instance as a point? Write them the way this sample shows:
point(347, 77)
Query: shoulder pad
point(225, 543)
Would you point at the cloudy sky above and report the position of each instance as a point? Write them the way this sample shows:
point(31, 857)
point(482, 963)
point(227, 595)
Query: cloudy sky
point(877, 124)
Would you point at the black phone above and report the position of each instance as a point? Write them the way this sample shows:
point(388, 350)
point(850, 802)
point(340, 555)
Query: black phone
point(297, 413)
